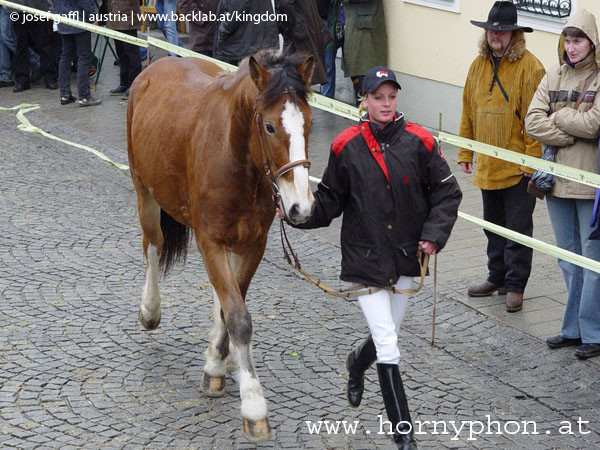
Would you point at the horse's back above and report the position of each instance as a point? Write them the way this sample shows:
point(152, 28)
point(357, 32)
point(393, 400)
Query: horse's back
point(172, 71)
point(164, 106)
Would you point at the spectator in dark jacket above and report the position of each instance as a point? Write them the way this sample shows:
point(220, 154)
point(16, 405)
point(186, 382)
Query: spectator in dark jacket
point(75, 41)
point(202, 32)
point(327, 12)
point(36, 34)
point(241, 37)
point(397, 195)
point(304, 31)
point(365, 39)
point(129, 54)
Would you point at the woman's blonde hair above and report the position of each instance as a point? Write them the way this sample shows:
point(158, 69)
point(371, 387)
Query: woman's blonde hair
point(362, 108)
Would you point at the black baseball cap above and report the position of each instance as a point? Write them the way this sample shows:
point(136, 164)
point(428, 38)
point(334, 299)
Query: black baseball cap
point(375, 76)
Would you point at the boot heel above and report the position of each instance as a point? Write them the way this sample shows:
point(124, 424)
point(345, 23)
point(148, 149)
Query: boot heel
point(502, 290)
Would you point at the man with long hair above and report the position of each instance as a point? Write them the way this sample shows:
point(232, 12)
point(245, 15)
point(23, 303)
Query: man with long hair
point(499, 87)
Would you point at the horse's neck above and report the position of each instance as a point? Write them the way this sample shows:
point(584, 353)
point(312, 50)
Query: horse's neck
point(242, 133)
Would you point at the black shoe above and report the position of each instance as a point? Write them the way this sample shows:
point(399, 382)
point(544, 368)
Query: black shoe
point(588, 351)
point(559, 342)
point(7, 83)
point(90, 101)
point(358, 361)
point(67, 100)
point(396, 405)
point(118, 90)
point(20, 87)
point(125, 95)
point(51, 84)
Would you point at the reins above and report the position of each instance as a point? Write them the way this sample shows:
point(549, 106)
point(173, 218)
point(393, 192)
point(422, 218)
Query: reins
point(351, 292)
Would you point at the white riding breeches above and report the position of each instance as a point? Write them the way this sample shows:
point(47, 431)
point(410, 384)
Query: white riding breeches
point(384, 312)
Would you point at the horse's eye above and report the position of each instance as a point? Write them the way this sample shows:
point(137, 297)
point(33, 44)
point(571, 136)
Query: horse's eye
point(270, 128)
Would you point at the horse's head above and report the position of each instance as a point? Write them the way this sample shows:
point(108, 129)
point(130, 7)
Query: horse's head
point(283, 120)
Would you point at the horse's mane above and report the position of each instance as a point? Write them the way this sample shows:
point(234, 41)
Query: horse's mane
point(284, 75)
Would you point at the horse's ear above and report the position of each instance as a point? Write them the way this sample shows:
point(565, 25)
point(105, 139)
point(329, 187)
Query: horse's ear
point(260, 76)
point(306, 69)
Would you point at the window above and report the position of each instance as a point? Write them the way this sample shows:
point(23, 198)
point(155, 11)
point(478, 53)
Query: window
point(551, 8)
point(446, 5)
point(546, 15)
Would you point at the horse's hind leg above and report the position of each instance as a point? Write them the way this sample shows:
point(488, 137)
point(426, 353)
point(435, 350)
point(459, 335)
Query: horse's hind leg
point(152, 241)
point(230, 276)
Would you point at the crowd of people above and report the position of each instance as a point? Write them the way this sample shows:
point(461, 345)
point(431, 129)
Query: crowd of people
point(386, 168)
point(31, 49)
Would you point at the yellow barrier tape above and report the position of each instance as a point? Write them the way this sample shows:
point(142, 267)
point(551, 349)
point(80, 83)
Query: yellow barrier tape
point(26, 126)
point(76, 23)
point(581, 176)
point(333, 106)
point(185, 52)
point(549, 249)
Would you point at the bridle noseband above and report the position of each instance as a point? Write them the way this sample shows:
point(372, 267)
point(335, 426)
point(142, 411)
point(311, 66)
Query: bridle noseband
point(268, 159)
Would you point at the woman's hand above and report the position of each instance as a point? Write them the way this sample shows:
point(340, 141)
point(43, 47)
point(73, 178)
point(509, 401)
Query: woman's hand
point(280, 214)
point(428, 247)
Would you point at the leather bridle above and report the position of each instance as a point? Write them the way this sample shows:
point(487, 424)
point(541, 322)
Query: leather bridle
point(269, 166)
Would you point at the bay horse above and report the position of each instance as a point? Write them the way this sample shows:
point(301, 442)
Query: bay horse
point(207, 150)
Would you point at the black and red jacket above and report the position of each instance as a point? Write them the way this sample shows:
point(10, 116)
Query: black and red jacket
point(394, 188)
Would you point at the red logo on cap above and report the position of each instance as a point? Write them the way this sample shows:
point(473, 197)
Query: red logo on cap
point(381, 73)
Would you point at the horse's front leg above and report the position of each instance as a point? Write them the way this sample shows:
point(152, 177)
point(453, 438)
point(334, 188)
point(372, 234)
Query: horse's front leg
point(213, 376)
point(225, 272)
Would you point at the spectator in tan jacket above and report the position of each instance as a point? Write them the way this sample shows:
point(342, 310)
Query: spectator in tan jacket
point(498, 90)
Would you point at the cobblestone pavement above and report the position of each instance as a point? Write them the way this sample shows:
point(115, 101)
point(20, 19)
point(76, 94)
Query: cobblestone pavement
point(78, 370)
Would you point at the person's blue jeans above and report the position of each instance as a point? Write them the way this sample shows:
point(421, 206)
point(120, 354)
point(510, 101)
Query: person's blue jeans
point(8, 45)
point(328, 89)
point(168, 10)
point(571, 224)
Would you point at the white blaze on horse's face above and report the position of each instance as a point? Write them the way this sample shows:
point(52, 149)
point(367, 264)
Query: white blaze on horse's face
point(296, 196)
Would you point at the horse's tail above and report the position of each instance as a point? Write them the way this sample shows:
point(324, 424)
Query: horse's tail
point(176, 240)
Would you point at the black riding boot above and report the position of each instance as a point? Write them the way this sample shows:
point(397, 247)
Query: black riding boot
point(396, 405)
point(359, 360)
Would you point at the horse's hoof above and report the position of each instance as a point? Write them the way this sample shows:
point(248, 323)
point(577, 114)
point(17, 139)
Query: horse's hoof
point(149, 324)
point(213, 386)
point(257, 430)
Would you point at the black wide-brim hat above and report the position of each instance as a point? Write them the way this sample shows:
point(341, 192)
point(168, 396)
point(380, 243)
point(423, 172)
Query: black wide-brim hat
point(502, 17)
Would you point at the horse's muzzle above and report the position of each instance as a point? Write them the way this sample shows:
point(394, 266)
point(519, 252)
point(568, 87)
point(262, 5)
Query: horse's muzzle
point(296, 216)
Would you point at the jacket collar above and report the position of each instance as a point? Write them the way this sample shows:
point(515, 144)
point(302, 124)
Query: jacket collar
point(389, 129)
